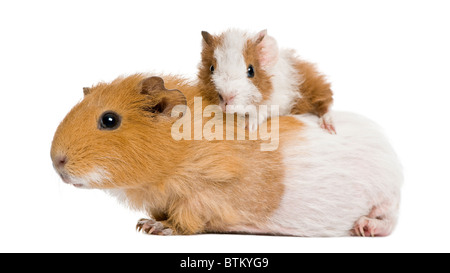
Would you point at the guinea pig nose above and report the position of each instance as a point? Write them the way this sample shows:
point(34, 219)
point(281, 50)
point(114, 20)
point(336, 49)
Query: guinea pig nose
point(228, 99)
point(60, 161)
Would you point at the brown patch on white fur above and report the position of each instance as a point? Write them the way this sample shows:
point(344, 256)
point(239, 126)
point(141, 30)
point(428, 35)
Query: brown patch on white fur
point(195, 186)
point(317, 96)
point(205, 82)
point(261, 79)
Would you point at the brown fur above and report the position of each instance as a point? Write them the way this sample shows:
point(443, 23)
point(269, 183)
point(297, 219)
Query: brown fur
point(205, 82)
point(317, 96)
point(261, 80)
point(193, 186)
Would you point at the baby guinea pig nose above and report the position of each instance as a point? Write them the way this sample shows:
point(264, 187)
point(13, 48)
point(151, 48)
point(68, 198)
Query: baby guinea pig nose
point(225, 100)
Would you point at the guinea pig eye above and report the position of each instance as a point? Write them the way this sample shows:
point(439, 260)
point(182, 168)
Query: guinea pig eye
point(211, 68)
point(109, 121)
point(250, 71)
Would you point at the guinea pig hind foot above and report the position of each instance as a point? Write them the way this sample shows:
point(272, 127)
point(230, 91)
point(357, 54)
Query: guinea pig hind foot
point(151, 226)
point(375, 224)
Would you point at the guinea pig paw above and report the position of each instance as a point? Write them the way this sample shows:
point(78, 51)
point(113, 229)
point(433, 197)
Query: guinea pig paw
point(252, 125)
point(326, 123)
point(366, 226)
point(151, 226)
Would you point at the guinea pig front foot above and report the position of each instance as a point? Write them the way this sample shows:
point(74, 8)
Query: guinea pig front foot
point(251, 124)
point(326, 123)
point(151, 226)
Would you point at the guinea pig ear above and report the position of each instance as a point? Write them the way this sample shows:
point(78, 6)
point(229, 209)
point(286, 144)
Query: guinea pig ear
point(208, 38)
point(268, 49)
point(161, 100)
point(260, 36)
point(86, 91)
point(152, 85)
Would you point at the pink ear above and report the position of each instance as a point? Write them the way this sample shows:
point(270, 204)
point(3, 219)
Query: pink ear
point(268, 49)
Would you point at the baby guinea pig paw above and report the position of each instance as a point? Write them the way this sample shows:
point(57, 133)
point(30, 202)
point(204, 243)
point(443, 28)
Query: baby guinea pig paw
point(326, 123)
point(251, 124)
point(151, 226)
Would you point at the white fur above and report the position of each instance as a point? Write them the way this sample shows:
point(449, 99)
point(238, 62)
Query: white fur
point(97, 176)
point(333, 180)
point(119, 194)
point(268, 48)
point(285, 82)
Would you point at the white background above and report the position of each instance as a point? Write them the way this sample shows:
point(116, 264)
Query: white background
point(388, 60)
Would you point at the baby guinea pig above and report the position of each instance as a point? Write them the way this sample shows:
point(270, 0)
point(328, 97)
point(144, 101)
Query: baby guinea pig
point(119, 139)
point(249, 69)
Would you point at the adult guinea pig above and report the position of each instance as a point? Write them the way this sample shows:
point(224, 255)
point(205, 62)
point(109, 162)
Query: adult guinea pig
point(243, 69)
point(119, 138)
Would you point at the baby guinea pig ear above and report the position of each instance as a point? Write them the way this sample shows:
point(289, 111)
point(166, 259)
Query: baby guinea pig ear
point(208, 38)
point(162, 100)
point(268, 49)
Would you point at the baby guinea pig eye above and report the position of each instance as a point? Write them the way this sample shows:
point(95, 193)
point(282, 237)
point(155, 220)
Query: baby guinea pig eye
point(250, 71)
point(109, 121)
point(211, 68)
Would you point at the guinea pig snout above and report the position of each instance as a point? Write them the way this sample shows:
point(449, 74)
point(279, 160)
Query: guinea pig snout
point(59, 161)
point(64, 177)
point(226, 100)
